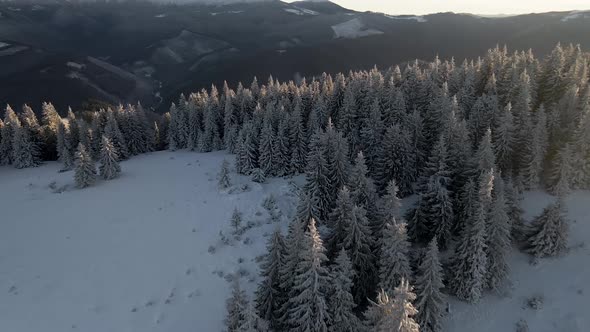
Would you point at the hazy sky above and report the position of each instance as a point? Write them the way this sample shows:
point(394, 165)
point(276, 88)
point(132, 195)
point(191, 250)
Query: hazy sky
point(487, 7)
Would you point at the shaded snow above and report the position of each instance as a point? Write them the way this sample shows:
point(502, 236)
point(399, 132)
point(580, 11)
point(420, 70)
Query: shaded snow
point(301, 11)
point(129, 254)
point(354, 28)
point(563, 282)
point(160, 16)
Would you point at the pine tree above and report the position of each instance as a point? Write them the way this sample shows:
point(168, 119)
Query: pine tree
point(269, 290)
point(470, 261)
point(340, 299)
point(338, 219)
point(548, 232)
point(236, 220)
point(358, 242)
point(50, 120)
point(581, 151)
point(394, 263)
point(11, 122)
point(429, 284)
point(258, 175)
point(515, 211)
point(397, 161)
point(109, 160)
point(498, 237)
point(24, 150)
point(85, 172)
point(392, 204)
point(562, 172)
point(536, 153)
point(282, 147)
point(223, 176)
point(266, 149)
point(317, 179)
point(251, 321)
point(64, 146)
point(394, 314)
point(503, 140)
point(308, 309)
point(434, 214)
point(298, 141)
point(236, 307)
point(112, 131)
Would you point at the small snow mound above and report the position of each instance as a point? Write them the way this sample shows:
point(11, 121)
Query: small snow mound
point(354, 28)
point(419, 19)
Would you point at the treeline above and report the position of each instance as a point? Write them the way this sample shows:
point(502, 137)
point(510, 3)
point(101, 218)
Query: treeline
point(468, 139)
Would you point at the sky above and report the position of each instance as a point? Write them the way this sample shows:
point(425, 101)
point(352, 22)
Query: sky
point(485, 7)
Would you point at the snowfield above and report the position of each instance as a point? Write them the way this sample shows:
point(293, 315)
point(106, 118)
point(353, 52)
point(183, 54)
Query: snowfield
point(131, 254)
point(143, 252)
point(354, 28)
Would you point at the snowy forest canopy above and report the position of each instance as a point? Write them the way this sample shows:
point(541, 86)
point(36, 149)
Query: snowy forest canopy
point(466, 139)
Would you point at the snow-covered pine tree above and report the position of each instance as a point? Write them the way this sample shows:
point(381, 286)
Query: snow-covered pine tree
point(397, 161)
point(266, 149)
point(548, 232)
point(85, 172)
point(269, 290)
point(25, 152)
point(64, 146)
point(484, 156)
point(298, 142)
point(581, 151)
point(469, 263)
point(317, 179)
point(429, 284)
point(341, 303)
point(112, 131)
point(337, 161)
point(338, 218)
point(11, 121)
point(503, 140)
point(364, 192)
point(223, 179)
point(358, 242)
point(394, 262)
point(109, 160)
point(236, 306)
point(536, 152)
point(282, 147)
point(308, 308)
point(498, 237)
point(50, 120)
point(251, 321)
point(394, 314)
point(236, 220)
point(562, 171)
point(392, 204)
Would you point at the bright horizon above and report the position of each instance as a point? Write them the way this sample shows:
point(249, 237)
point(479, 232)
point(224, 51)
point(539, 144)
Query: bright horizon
point(495, 7)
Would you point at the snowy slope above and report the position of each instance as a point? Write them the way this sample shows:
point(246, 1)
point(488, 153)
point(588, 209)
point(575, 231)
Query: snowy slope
point(354, 28)
point(562, 282)
point(132, 254)
point(110, 257)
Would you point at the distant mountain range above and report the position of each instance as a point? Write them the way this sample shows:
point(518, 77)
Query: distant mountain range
point(70, 52)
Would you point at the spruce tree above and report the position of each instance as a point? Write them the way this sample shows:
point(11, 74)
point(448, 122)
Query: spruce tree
point(11, 122)
point(340, 299)
point(266, 149)
point(358, 242)
point(269, 290)
point(113, 132)
point(50, 121)
point(308, 308)
point(85, 172)
point(533, 167)
point(24, 151)
point(251, 322)
point(258, 175)
point(224, 181)
point(397, 162)
point(394, 262)
point(317, 179)
point(548, 232)
point(236, 306)
point(236, 221)
point(469, 263)
point(338, 219)
point(498, 237)
point(429, 284)
point(562, 172)
point(396, 313)
point(109, 160)
point(64, 146)
point(503, 140)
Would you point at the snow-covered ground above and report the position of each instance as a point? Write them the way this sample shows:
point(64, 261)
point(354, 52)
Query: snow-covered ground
point(133, 254)
point(576, 15)
point(419, 19)
point(354, 28)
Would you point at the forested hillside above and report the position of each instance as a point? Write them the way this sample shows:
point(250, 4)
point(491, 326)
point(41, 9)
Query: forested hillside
point(467, 139)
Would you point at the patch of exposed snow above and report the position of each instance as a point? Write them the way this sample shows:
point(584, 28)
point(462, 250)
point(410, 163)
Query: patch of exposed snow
point(37, 7)
point(227, 12)
point(2, 44)
point(13, 50)
point(301, 11)
point(308, 11)
point(75, 65)
point(293, 11)
point(14, 9)
point(160, 16)
point(576, 15)
point(419, 19)
point(354, 28)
